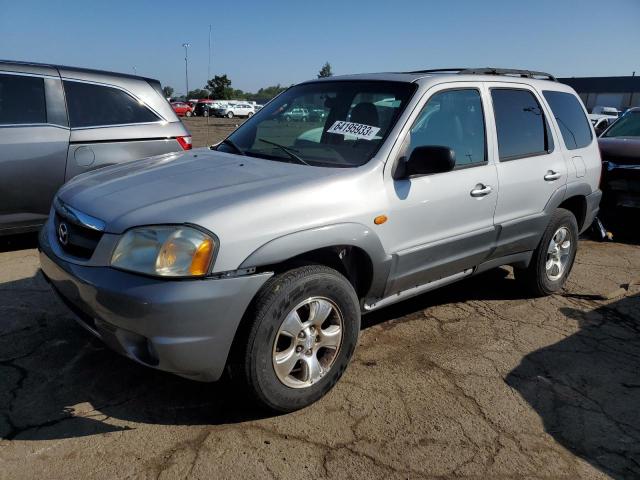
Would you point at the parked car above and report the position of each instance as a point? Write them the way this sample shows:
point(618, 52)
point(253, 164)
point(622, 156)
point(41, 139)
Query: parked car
point(57, 122)
point(260, 256)
point(296, 114)
point(601, 122)
point(182, 109)
point(203, 108)
point(620, 150)
point(231, 110)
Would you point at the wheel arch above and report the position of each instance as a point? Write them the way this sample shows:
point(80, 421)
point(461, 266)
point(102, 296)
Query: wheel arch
point(350, 248)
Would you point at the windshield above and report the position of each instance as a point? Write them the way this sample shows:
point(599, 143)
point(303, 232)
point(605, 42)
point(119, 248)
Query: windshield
point(329, 123)
point(627, 126)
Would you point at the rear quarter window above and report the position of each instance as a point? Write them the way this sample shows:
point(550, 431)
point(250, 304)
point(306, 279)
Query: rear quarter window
point(573, 123)
point(93, 105)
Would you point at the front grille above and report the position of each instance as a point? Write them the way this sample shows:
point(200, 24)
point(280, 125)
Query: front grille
point(77, 234)
point(80, 241)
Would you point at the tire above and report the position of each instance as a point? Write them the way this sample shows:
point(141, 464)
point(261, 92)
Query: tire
point(205, 113)
point(540, 280)
point(188, 113)
point(264, 338)
point(230, 115)
point(250, 115)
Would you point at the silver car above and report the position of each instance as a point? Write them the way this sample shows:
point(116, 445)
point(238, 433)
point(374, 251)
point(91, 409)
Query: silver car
point(57, 122)
point(260, 256)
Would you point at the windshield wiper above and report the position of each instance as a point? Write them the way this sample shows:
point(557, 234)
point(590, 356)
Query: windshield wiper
point(232, 144)
point(286, 150)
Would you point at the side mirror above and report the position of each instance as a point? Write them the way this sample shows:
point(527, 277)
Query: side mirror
point(428, 159)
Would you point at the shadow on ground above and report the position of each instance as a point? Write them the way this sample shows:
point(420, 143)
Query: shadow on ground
point(56, 381)
point(586, 388)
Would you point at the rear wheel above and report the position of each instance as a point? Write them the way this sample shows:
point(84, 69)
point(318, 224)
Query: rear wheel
point(205, 113)
point(230, 115)
point(188, 113)
point(303, 329)
point(553, 259)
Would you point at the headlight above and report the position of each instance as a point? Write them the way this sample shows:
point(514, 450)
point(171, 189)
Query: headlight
point(167, 251)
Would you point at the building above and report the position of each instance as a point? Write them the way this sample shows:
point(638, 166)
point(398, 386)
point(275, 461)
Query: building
point(618, 92)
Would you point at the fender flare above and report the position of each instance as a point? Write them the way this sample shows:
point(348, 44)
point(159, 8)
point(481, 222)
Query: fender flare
point(349, 234)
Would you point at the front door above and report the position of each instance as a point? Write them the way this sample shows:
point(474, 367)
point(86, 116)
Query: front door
point(443, 223)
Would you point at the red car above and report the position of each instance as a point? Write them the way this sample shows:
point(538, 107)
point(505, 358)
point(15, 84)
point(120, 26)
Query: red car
point(182, 109)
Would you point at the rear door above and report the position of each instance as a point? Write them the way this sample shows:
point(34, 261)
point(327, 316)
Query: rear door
point(110, 125)
point(34, 135)
point(531, 168)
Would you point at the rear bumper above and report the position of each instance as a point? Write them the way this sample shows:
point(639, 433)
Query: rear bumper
point(621, 185)
point(183, 326)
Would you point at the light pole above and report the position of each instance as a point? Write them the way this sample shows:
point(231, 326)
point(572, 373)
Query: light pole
point(186, 67)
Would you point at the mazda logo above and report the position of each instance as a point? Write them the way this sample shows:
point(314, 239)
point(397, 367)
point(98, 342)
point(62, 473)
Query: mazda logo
point(63, 233)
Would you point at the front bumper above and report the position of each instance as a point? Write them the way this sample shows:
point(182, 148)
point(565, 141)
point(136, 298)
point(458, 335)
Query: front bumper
point(181, 326)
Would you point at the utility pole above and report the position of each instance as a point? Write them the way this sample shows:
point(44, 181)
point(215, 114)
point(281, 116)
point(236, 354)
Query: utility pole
point(186, 67)
point(209, 66)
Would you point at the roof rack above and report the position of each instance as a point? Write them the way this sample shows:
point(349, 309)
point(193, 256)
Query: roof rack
point(512, 72)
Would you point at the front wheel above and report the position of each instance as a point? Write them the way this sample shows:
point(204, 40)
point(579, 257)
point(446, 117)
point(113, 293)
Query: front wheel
point(230, 115)
point(553, 259)
point(303, 329)
point(188, 113)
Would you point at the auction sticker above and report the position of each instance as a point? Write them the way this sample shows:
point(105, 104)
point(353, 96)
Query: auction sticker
point(357, 130)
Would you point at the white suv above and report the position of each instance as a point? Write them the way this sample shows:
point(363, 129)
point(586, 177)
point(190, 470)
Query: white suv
point(234, 110)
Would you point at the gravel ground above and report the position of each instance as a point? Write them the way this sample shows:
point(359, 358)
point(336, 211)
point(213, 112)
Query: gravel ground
point(471, 381)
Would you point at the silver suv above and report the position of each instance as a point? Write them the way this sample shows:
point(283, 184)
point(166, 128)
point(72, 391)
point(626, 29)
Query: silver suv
point(57, 122)
point(261, 255)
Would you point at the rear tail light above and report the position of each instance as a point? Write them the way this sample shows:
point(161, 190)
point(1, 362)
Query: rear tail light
point(185, 142)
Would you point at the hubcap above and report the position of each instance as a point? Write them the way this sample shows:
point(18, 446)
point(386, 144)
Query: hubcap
point(307, 343)
point(558, 254)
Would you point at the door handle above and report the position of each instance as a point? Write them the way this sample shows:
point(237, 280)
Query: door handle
point(481, 190)
point(551, 176)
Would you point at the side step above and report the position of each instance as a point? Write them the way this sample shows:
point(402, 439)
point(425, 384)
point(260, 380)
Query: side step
point(412, 292)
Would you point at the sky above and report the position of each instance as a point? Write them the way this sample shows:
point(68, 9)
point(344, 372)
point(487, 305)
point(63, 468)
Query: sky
point(269, 42)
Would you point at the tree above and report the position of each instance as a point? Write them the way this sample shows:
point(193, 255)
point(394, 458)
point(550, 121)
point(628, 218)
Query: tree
point(167, 91)
point(267, 93)
point(198, 93)
point(325, 71)
point(220, 87)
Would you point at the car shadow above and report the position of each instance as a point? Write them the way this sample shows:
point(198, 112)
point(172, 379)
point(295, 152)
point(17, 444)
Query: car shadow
point(586, 388)
point(57, 381)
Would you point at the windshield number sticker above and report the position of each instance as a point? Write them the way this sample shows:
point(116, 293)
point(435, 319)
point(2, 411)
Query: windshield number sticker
point(357, 130)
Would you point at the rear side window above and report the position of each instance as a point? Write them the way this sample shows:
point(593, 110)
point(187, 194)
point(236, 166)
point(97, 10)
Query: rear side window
point(98, 105)
point(522, 128)
point(571, 119)
point(22, 100)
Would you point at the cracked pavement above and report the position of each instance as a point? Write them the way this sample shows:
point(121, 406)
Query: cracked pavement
point(471, 381)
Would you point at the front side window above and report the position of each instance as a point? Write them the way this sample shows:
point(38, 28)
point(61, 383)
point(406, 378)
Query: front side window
point(571, 119)
point(98, 105)
point(22, 100)
point(454, 119)
point(626, 126)
point(520, 123)
point(329, 123)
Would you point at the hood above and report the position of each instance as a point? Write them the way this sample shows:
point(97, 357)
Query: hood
point(622, 150)
point(180, 188)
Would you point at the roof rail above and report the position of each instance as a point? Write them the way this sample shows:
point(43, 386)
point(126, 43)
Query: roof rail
point(512, 72)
